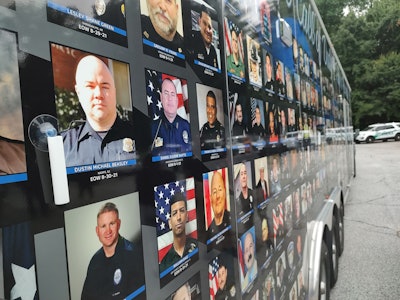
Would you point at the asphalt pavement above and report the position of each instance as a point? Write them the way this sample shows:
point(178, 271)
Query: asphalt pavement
point(369, 267)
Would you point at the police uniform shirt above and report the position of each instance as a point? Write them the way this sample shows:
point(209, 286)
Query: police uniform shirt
point(172, 256)
point(201, 53)
point(212, 137)
point(258, 130)
point(227, 293)
point(171, 138)
point(239, 129)
point(83, 145)
point(214, 229)
point(246, 204)
point(149, 33)
point(270, 85)
point(114, 277)
point(113, 14)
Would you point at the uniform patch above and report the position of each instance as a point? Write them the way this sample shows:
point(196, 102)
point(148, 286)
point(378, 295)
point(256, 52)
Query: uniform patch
point(159, 142)
point(185, 136)
point(128, 145)
point(100, 7)
point(117, 276)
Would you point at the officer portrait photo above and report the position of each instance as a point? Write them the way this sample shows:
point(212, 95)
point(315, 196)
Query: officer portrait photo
point(222, 278)
point(254, 61)
point(104, 249)
point(211, 121)
point(162, 29)
point(234, 50)
point(217, 208)
point(176, 227)
point(12, 146)
point(168, 107)
point(94, 109)
point(245, 195)
point(203, 42)
point(247, 259)
point(103, 19)
point(258, 129)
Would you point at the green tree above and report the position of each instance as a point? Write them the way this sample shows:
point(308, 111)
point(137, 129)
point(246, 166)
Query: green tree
point(367, 41)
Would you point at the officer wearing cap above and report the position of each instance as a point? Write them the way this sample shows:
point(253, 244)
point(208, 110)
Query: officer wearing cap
point(212, 134)
point(103, 137)
point(182, 245)
point(171, 133)
point(115, 270)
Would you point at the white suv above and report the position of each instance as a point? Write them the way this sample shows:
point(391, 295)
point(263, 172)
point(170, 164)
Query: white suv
point(380, 132)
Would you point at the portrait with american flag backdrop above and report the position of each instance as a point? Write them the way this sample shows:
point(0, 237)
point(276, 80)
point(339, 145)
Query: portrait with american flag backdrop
point(154, 80)
point(162, 197)
point(221, 277)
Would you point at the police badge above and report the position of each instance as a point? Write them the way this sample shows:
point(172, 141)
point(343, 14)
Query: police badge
point(128, 145)
point(185, 136)
point(100, 7)
point(117, 276)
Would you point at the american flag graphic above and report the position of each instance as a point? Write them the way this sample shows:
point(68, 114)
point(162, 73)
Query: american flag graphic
point(277, 215)
point(153, 90)
point(207, 178)
point(240, 260)
point(213, 277)
point(162, 197)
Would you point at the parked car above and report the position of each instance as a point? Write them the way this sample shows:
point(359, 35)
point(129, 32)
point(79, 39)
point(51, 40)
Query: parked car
point(381, 132)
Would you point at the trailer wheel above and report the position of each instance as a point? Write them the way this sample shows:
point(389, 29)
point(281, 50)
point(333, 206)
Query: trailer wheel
point(335, 252)
point(341, 230)
point(324, 273)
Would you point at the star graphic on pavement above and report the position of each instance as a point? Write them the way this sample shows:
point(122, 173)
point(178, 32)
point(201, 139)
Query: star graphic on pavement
point(25, 282)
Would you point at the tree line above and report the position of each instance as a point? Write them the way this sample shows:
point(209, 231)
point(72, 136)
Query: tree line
point(366, 37)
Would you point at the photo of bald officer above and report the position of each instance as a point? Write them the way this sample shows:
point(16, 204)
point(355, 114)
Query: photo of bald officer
point(212, 133)
point(103, 137)
point(222, 217)
point(160, 26)
point(171, 133)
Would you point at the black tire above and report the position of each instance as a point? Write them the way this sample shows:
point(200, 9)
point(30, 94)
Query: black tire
point(324, 288)
point(341, 230)
point(334, 252)
point(369, 139)
point(397, 137)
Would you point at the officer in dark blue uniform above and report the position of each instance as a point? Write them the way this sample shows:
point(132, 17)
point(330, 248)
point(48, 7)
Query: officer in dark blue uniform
point(212, 134)
point(201, 41)
point(171, 133)
point(116, 269)
point(103, 137)
point(160, 25)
